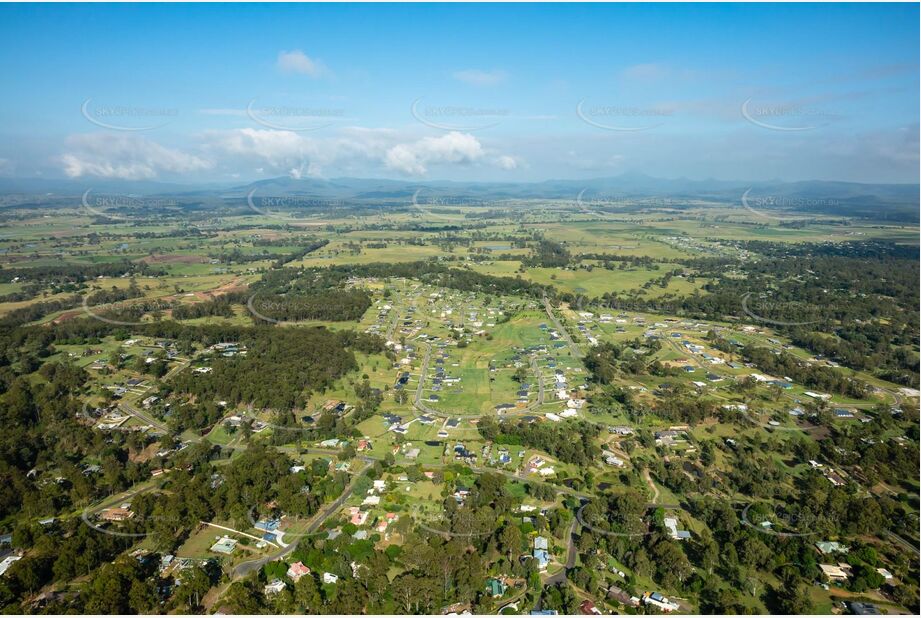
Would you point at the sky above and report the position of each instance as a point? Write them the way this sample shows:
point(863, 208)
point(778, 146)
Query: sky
point(502, 92)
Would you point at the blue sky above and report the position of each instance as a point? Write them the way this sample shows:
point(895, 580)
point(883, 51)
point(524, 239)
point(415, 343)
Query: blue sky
point(468, 92)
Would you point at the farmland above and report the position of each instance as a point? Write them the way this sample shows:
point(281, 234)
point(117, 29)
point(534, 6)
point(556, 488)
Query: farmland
point(590, 401)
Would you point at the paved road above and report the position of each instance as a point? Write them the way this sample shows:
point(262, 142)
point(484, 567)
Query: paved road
point(540, 384)
point(147, 418)
point(903, 542)
point(573, 346)
point(417, 399)
point(420, 405)
point(245, 568)
point(571, 555)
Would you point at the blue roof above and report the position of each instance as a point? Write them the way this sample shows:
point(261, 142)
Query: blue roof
point(267, 524)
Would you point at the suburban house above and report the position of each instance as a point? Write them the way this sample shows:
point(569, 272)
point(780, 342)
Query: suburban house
point(120, 513)
point(267, 525)
point(495, 587)
point(671, 524)
point(357, 516)
point(839, 572)
point(658, 601)
point(831, 547)
point(587, 608)
point(297, 571)
point(8, 562)
point(224, 545)
point(274, 587)
point(541, 545)
point(863, 609)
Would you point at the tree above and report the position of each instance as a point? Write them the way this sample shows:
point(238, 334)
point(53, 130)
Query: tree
point(793, 599)
point(510, 540)
point(195, 585)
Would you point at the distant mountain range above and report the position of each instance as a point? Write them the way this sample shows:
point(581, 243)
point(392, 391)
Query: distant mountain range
point(888, 201)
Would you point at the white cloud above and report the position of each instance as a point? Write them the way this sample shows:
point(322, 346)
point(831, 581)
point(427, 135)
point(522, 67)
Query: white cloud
point(296, 61)
point(507, 163)
point(273, 151)
point(477, 77)
point(354, 151)
point(414, 158)
point(126, 157)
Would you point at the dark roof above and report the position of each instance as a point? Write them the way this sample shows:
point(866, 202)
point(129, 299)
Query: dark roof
point(864, 609)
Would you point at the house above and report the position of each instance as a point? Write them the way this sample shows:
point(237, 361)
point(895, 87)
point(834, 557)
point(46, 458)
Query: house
point(669, 436)
point(329, 578)
point(542, 557)
point(672, 525)
point(831, 547)
point(334, 405)
point(8, 562)
point(611, 460)
point(121, 513)
point(886, 574)
point(357, 517)
point(863, 609)
point(385, 521)
point(587, 608)
point(662, 603)
point(274, 587)
point(296, 571)
point(224, 545)
point(267, 525)
point(839, 572)
point(495, 587)
point(541, 542)
point(618, 594)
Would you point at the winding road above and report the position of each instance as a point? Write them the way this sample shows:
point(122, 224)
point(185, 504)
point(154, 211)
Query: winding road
point(245, 568)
